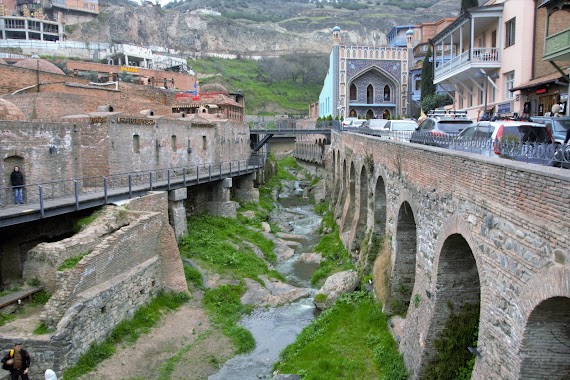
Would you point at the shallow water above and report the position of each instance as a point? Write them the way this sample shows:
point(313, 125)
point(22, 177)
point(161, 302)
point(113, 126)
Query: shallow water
point(276, 328)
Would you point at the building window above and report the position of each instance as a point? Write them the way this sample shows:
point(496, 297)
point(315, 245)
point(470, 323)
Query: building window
point(470, 97)
point(509, 83)
point(136, 144)
point(204, 143)
point(418, 84)
point(386, 93)
point(353, 92)
point(460, 93)
point(369, 94)
point(481, 92)
point(173, 142)
point(85, 5)
point(510, 27)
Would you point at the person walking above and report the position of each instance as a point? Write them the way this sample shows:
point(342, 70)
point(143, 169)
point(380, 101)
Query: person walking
point(17, 179)
point(17, 361)
point(50, 375)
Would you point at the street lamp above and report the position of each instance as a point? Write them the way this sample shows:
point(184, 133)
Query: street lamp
point(483, 74)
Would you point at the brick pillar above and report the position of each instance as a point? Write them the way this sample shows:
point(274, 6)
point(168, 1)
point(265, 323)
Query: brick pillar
point(177, 211)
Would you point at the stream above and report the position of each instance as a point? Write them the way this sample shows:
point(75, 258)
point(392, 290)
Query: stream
point(276, 328)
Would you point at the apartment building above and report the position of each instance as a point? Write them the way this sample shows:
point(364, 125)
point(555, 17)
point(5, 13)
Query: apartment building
point(492, 54)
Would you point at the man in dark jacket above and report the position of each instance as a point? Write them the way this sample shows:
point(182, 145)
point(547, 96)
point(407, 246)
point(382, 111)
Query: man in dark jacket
point(17, 361)
point(17, 179)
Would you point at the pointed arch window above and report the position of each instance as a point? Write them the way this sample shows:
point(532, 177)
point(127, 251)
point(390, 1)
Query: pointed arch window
point(353, 92)
point(369, 94)
point(386, 93)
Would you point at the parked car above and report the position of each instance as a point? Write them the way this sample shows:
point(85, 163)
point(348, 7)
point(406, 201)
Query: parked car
point(516, 140)
point(357, 123)
point(375, 123)
point(557, 125)
point(400, 130)
point(435, 129)
point(347, 121)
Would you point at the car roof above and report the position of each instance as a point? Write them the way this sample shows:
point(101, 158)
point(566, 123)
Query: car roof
point(510, 123)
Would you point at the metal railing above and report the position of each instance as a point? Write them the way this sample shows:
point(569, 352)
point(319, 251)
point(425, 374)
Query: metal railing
point(74, 191)
point(542, 153)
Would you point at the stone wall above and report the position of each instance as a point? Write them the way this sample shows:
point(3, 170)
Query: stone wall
point(489, 231)
point(82, 147)
point(127, 263)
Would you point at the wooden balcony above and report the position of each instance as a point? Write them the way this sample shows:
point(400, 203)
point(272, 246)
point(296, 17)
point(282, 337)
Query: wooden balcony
point(557, 46)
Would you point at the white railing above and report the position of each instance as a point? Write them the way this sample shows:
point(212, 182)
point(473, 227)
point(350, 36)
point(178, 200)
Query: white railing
point(487, 55)
point(479, 56)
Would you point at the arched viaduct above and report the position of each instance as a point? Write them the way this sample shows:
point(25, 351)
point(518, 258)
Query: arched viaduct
point(462, 230)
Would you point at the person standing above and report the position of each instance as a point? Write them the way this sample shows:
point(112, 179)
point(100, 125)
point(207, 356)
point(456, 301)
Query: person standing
point(17, 361)
point(17, 179)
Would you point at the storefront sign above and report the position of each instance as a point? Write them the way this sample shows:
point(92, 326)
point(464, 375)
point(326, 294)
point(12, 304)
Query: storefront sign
point(503, 108)
point(541, 91)
point(564, 97)
point(129, 69)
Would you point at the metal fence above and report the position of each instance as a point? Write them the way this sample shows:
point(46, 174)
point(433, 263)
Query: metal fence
point(530, 151)
point(123, 183)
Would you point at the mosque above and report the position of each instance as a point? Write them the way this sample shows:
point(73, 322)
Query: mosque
point(366, 81)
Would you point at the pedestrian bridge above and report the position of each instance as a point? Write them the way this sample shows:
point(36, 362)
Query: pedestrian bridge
point(43, 200)
point(464, 233)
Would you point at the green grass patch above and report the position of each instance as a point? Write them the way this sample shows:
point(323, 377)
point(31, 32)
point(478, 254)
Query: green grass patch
point(128, 330)
point(11, 290)
point(218, 243)
point(81, 223)
point(264, 94)
point(193, 276)
point(40, 298)
point(168, 367)
point(5, 318)
point(42, 329)
point(225, 310)
point(336, 257)
point(452, 360)
point(71, 262)
point(348, 341)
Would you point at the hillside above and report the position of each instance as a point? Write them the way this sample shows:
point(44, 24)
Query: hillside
point(255, 27)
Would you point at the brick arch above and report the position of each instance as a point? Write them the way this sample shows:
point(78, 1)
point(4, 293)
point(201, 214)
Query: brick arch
point(458, 280)
point(361, 216)
point(380, 204)
point(342, 194)
point(351, 200)
point(544, 308)
point(404, 248)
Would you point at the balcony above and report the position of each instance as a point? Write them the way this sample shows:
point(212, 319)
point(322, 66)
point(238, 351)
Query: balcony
point(463, 65)
point(557, 46)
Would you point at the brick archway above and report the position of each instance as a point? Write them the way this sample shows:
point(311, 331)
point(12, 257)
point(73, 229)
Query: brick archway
point(545, 339)
point(456, 270)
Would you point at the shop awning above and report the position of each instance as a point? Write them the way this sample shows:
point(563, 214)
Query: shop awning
point(539, 82)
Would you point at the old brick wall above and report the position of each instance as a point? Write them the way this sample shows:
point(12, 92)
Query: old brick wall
point(31, 141)
point(85, 147)
point(182, 81)
point(507, 215)
point(72, 95)
point(123, 269)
